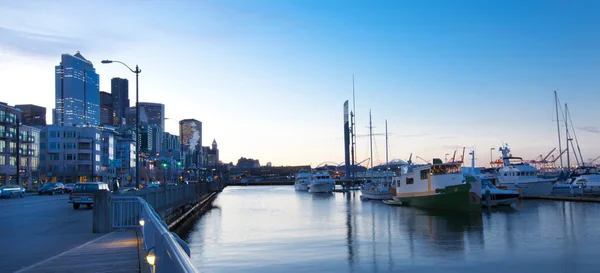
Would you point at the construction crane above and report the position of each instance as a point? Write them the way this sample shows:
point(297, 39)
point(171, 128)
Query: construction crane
point(593, 160)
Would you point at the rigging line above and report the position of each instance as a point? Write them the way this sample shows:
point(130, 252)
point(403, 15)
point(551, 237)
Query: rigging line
point(575, 136)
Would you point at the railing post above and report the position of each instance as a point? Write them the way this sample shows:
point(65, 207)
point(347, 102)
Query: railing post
point(102, 212)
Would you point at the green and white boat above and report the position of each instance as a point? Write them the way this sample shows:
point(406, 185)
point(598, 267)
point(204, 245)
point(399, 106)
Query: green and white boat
point(436, 186)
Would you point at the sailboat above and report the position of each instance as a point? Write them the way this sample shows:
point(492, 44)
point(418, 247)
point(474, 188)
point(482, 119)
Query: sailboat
point(378, 184)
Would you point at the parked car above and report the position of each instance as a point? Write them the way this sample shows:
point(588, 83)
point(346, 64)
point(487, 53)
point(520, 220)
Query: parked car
point(129, 189)
point(12, 190)
point(52, 188)
point(83, 193)
point(153, 186)
point(69, 187)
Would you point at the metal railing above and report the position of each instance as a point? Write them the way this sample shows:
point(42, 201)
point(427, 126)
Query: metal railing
point(169, 252)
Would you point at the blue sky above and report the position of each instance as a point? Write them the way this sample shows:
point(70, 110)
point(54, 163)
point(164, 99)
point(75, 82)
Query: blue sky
point(268, 78)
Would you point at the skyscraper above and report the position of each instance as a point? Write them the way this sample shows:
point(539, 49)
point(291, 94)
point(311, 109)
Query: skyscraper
point(190, 135)
point(77, 92)
point(32, 115)
point(119, 89)
point(155, 112)
point(106, 108)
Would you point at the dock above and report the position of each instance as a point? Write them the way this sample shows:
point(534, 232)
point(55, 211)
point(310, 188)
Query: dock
point(594, 199)
point(117, 251)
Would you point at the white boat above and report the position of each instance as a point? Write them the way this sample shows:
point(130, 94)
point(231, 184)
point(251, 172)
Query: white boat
point(582, 180)
point(321, 182)
point(520, 176)
point(497, 197)
point(568, 187)
point(302, 181)
point(377, 186)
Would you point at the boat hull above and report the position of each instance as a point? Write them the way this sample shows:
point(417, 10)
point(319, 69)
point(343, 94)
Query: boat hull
point(457, 197)
point(567, 189)
point(365, 194)
point(531, 189)
point(499, 200)
point(321, 187)
point(301, 187)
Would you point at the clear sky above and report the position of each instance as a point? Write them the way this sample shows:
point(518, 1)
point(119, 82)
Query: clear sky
point(268, 78)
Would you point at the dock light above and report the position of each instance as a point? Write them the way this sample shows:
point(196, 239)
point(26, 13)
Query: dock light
point(142, 222)
point(151, 258)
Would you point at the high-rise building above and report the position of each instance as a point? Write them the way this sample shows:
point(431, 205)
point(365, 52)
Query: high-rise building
point(130, 116)
point(190, 135)
point(106, 109)
point(155, 112)
point(119, 89)
point(19, 148)
point(77, 92)
point(32, 115)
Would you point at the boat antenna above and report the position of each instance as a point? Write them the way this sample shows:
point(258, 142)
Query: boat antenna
point(558, 128)
point(353, 120)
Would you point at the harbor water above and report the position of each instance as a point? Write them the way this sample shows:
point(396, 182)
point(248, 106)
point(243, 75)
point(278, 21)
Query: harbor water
point(276, 229)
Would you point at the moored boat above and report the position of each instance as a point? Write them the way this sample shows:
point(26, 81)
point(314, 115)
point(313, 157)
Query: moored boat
point(377, 186)
point(321, 182)
point(436, 186)
point(492, 196)
point(520, 176)
point(302, 180)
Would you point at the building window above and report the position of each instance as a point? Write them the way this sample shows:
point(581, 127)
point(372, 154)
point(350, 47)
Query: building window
point(97, 157)
point(54, 145)
point(70, 145)
point(55, 134)
point(43, 145)
point(2, 160)
point(13, 161)
point(98, 147)
point(69, 157)
point(410, 180)
point(54, 157)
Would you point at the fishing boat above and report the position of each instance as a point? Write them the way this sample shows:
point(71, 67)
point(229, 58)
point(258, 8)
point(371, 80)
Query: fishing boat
point(436, 186)
point(491, 195)
point(302, 180)
point(520, 176)
point(321, 182)
point(377, 186)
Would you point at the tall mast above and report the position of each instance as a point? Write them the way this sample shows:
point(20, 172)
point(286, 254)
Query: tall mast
point(353, 130)
point(568, 139)
point(371, 140)
point(386, 148)
point(558, 128)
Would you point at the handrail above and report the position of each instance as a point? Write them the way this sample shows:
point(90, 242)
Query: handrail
point(170, 255)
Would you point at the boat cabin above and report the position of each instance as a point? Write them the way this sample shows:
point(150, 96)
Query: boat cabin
point(417, 180)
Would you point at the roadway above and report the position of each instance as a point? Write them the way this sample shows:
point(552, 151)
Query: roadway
point(35, 228)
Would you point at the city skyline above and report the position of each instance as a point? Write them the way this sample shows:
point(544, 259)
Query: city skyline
point(269, 77)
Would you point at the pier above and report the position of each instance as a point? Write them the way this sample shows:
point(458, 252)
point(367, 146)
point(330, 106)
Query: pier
point(124, 232)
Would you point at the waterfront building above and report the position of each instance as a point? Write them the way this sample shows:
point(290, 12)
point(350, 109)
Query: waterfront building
point(71, 154)
point(212, 155)
point(32, 115)
point(107, 116)
point(77, 92)
point(19, 148)
point(119, 90)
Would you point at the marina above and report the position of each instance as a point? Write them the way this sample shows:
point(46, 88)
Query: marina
point(341, 233)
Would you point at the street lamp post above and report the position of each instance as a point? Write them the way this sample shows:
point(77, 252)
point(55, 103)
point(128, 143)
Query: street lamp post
point(491, 149)
point(137, 72)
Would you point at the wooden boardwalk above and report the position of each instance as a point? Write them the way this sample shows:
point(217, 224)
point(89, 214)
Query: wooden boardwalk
point(114, 252)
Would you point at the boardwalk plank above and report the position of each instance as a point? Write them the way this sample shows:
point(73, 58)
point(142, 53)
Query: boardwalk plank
point(114, 252)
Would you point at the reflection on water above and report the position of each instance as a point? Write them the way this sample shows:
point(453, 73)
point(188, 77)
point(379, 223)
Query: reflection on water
point(275, 229)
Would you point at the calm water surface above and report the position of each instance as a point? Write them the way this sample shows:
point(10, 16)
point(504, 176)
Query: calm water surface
point(276, 229)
